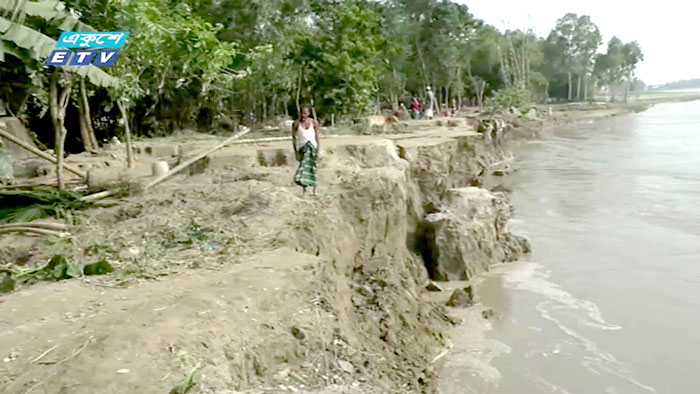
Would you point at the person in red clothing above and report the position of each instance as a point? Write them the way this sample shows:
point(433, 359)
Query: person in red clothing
point(416, 108)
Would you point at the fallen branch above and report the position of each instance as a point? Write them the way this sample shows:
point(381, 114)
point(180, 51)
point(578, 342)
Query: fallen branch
point(39, 225)
point(39, 153)
point(39, 231)
point(275, 139)
point(43, 354)
point(98, 196)
point(195, 159)
point(75, 353)
point(439, 356)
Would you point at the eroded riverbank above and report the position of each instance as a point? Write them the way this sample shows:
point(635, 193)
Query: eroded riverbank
point(228, 272)
point(606, 302)
point(232, 274)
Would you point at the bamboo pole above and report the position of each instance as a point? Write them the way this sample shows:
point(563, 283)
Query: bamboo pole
point(39, 153)
point(127, 133)
point(275, 139)
point(195, 159)
point(46, 226)
point(33, 230)
point(98, 196)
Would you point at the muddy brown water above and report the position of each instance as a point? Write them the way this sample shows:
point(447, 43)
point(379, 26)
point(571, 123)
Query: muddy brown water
point(609, 302)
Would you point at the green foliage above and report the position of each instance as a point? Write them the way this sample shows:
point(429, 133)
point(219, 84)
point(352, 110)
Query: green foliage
point(188, 380)
point(173, 62)
point(7, 283)
point(519, 98)
point(214, 63)
point(571, 50)
point(25, 206)
point(684, 84)
point(190, 377)
point(57, 269)
point(101, 267)
point(341, 59)
point(617, 65)
point(32, 46)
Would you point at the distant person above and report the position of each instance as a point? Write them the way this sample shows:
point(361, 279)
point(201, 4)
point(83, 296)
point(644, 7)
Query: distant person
point(306, 142)
point(431, 103)
point(416, 108)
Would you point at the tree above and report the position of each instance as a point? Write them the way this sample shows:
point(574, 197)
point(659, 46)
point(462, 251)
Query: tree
point(577, 39)
point(631, 56)
point(173, 64)
point(608, 66)
point(23, 40)
point(340, 63)
point(616, 67)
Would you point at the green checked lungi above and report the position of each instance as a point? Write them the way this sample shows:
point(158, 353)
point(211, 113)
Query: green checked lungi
point(306, 173)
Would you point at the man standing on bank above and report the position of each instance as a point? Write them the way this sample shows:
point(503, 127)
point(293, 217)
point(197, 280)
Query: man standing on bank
point(305, 138)
point(432, 103)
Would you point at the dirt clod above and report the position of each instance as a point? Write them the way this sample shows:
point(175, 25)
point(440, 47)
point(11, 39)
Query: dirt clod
point(461, 298)
point(298, 333)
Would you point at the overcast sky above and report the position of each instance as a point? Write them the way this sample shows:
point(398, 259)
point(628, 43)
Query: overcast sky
point(668, 30)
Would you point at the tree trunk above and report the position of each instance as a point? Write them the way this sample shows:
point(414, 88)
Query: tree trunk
point(273, 106)
point(447, 95)
point(53, 108)
point(480, 87)
point(570, 96)
point(578, 87)
point(585, 88)
point(58, 102)
point(460, 86)
point(84, 135)
point(422, 62)
point(88, 116)
point(127, 134)
point(301, 75)
point(627, 89)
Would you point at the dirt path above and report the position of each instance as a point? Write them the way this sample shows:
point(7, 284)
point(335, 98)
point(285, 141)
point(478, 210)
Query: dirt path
point(82, 337)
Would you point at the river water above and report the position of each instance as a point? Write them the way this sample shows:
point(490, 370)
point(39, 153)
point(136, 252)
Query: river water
point(609, 301)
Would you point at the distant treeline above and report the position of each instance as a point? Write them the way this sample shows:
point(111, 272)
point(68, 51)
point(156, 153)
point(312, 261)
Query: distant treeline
point(213, 64)
point(684, 84)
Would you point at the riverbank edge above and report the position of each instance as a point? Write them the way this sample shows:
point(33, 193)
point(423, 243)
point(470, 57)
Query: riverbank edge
point(350, 280)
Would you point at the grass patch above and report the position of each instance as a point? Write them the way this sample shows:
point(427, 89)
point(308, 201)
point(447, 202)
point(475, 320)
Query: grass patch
point(57, 269)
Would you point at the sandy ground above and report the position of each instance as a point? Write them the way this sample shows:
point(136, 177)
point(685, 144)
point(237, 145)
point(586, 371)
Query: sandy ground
point(57, 332)
point(232, 274)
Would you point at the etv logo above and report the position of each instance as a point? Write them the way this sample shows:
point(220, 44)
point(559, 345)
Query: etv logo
point(85, 56)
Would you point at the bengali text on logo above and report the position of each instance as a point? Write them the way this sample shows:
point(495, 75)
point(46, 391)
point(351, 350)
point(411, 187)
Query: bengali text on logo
point(87, 48)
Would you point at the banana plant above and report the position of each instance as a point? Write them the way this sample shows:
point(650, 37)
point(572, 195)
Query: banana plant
point(18, 38)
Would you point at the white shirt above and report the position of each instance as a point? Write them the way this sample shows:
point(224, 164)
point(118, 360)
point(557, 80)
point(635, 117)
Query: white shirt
point(306, 135)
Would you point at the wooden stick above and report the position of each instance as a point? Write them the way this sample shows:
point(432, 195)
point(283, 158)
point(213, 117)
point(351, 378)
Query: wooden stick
point(40, 231)
point(44, 225)
point(275, 139)
point(195, 159)
point(43, 354)
point(127, 133)
point(39, 153)
point(97, 196)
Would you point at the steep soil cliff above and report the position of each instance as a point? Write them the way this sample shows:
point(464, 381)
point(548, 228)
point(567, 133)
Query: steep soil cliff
point(268, 290)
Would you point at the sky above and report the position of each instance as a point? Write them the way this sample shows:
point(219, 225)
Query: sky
point(668, 31)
